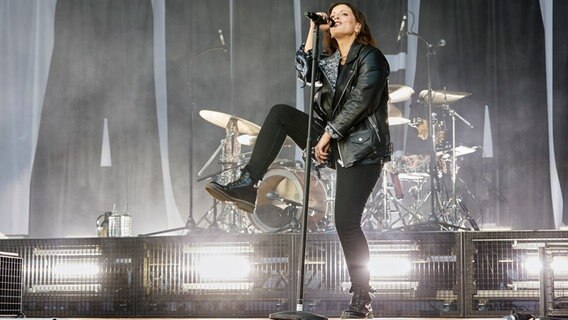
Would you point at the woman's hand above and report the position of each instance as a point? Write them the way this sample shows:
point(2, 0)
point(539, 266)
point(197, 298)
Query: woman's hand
point(322, 27)
point(321, 150)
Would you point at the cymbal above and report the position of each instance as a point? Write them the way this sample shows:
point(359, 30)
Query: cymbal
point(395, 116)
point(442, 97)
point(221, 119)
point(394, 111)
point(393, 121)
point(399, 93)
point(246, 139)
point(460, 151)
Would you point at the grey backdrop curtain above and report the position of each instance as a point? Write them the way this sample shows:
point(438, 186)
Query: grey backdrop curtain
point(103, 67)
point(26, 44)
point(560, 96)
point(496, 51)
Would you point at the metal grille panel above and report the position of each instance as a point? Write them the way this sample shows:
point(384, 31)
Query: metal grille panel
point(10, 284)
point(414, 274)
point(505, 271)
point(225, 275)
point(76, 277)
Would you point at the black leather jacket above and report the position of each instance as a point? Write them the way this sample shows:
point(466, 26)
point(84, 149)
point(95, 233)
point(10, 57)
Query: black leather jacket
point(352, 105)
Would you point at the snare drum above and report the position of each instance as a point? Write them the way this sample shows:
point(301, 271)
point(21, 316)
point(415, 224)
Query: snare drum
point(281, 196)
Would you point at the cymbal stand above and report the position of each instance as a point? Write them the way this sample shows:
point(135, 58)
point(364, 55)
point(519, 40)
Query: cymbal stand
point(228, 218)
point(407, 214)
point(453, 115)
point(434, 182)
point(213, 156)
point(386, 200)
point(190, 223)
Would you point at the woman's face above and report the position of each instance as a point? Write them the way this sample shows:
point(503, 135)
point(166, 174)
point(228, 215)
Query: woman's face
point(345, 22)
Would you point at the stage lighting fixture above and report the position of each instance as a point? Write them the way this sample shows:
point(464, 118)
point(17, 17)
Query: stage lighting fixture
point(389, 266)
point(219, 267)
point(76, 269)
point(559, 265)
point(223, 267)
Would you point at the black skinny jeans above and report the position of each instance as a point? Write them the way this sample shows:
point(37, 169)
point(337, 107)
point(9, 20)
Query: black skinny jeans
point(353, 185)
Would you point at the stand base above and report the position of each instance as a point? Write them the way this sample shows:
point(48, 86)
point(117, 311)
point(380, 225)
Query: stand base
point(296, 315)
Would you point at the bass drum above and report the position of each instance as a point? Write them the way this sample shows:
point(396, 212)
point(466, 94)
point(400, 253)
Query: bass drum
point(280, 199)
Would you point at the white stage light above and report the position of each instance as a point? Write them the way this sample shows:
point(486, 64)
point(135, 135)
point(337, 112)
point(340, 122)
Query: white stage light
point(223, 267)
point(532, 265)
point(388, 266)
point(76, 269)
point(559, 265)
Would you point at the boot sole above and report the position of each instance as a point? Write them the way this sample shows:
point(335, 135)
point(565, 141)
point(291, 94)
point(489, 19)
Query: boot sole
point(349, 314)
point(222, 196)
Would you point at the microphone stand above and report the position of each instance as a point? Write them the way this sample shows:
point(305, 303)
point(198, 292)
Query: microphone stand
point(434, 183)
point(300, 313)
point(190, 223)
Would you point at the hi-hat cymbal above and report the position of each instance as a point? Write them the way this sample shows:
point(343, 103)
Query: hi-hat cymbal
point(246, 139)
point(394, 111)
point(395, 116)
point(442, 97)
point(221, 119)
point(399, 93)
point(393, 121)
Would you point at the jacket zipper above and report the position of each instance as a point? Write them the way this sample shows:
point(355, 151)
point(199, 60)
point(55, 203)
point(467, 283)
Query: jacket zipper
point(340, 161)
point(343, 93)
point(377, 132)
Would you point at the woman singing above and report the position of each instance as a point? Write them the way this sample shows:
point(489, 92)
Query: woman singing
point(350, 128)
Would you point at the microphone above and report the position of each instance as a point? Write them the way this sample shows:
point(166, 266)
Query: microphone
point(317, 19)
point(401, 31)
point(221, 37)
point(441, 43)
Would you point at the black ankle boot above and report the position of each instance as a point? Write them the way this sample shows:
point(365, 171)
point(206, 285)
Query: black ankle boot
point(241, 191)
point(360, 306)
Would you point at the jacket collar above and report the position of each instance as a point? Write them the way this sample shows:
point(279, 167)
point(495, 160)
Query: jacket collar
point(353, 52)
point(330, 64)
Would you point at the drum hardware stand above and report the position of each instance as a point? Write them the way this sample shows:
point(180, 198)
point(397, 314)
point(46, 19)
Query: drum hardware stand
point(299, 313)
point(454, 202)
point(230, 150)
point(404, 211)
point(435, 199)
point(290, 209)
point(190, 223)
point(434, 183)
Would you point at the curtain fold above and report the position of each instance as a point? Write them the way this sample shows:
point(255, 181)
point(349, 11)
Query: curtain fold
point(26, 44)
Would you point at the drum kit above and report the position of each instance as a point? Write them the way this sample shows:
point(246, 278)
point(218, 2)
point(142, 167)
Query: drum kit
point(397, 203)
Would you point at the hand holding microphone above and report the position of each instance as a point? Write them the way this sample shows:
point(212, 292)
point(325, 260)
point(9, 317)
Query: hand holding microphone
point(319, 18)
